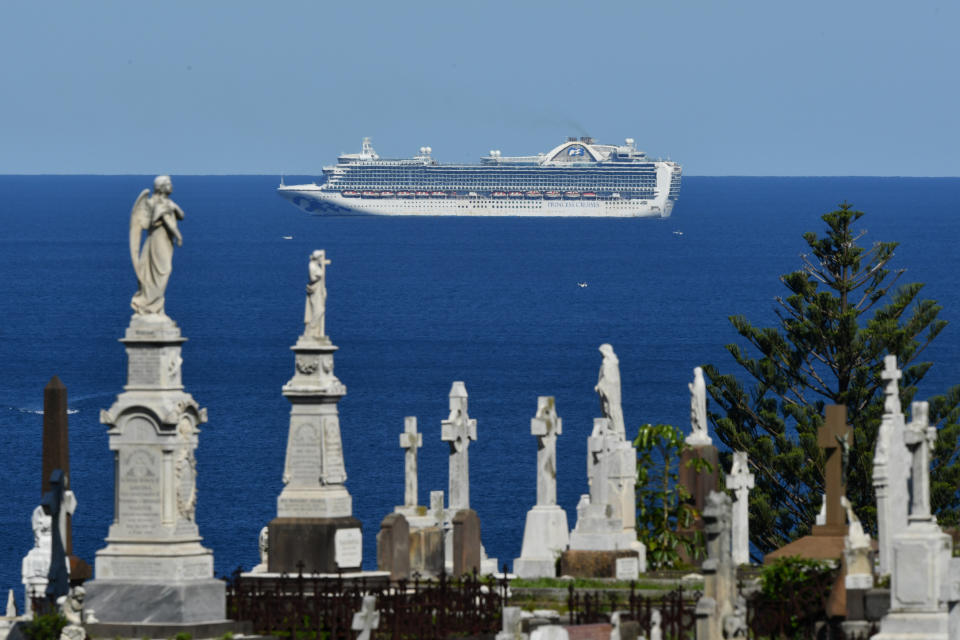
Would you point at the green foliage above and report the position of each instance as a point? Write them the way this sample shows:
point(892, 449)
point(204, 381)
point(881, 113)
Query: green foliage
point(663, 506)
point(791, 574)
point(801, 585)
point(183, 635)
point(45, 626)
point(841, 316)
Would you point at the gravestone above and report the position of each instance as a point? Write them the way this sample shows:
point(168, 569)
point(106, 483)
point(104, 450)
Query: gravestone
point(919, 585)
point(699, 484)
point(56, 455)
point(545, 535)
point(466, 542)
point(550, 632)
point(154, 567)
point(314, 507)
point(510, 624)
point(410, 441)
point(717, 610)
point(393, 547)
point(458, 430)
point(427, 539)
point(367, 619)
point(606, 517)
point(826, 541)
point(740, 481)
point(891, 468)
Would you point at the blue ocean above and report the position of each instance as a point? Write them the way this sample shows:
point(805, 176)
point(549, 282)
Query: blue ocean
point(413, 304)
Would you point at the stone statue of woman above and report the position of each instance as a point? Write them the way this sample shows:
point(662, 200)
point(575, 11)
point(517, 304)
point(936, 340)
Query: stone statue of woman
point(608, 388)
point(315, 312)
point(698, 410)
point(157, 215)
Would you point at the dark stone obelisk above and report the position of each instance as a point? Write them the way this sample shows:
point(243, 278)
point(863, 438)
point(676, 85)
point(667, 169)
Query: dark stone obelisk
point(56, 455)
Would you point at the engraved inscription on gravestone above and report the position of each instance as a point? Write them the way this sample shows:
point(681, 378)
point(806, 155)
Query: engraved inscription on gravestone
point(348, 547)
point(139, 493)
point(143, 367)
point(304, 455)
point(628, 568)
point(333, 469)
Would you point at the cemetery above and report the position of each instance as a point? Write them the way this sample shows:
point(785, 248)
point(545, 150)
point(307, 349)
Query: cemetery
point(154, 578)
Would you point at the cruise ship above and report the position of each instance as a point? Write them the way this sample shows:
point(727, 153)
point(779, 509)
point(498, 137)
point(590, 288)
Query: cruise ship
point(578, 178)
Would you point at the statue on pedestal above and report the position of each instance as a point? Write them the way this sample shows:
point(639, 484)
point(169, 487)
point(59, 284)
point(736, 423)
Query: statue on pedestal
point(608, 388)
point(316, 307)
point(157, 215)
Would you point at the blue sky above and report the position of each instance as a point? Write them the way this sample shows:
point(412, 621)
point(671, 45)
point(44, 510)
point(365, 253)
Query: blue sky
point(725, 88)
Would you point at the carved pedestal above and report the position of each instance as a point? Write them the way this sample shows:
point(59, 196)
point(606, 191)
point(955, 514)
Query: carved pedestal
point(314, 523)
point(154, 568)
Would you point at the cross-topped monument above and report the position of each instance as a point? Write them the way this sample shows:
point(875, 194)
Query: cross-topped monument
point(892, 375)
point(459, 429)
point(410, 440)
point(546, 426)
point(367, 619)
point(740, 481)
point(834, 437)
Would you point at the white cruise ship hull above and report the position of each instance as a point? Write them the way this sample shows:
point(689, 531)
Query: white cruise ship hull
point(315, 200)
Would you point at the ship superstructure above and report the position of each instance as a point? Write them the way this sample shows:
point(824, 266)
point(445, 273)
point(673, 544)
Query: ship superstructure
point(577, 178)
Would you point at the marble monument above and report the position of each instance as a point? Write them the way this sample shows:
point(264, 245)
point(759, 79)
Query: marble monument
point(740, 481)
point(154, 568)
point(546, 533)
point(891, 468)
point(314, 523)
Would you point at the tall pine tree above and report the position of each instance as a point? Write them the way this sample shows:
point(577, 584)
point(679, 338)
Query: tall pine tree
point(841, 316)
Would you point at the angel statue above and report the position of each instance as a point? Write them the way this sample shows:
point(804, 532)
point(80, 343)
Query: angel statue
point(608, 388)
point(157, 215)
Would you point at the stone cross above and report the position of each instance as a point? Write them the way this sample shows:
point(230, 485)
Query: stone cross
point(740, 481)
point(458, 429)
point(367, 619)
point(920, 438)
point(411, 441)
point(57, 503)
point(892, 375)
point(830, 437)
point(546, 426)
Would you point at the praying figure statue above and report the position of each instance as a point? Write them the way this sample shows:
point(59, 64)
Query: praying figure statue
point(313, 315)
point(608, 388)
point(157, 215)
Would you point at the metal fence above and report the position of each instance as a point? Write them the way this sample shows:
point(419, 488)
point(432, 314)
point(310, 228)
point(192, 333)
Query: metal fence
point(677, 610)
point(308, 607)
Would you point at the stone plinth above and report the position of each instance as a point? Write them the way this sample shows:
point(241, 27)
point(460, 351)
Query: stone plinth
point(323, 545)
point(154, 568)
point(545, 537)
point(593, 564)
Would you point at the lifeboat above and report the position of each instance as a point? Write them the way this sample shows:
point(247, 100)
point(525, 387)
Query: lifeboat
point(516, 194)
point(370, 194)
point(386, 194)
point(571, 195)
point(423, 194)
point(350, 194)
point(499, 194)
point(404, 194)
point(589, 194)
point(438, 194)
point(553, 194)
point(534, 194)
